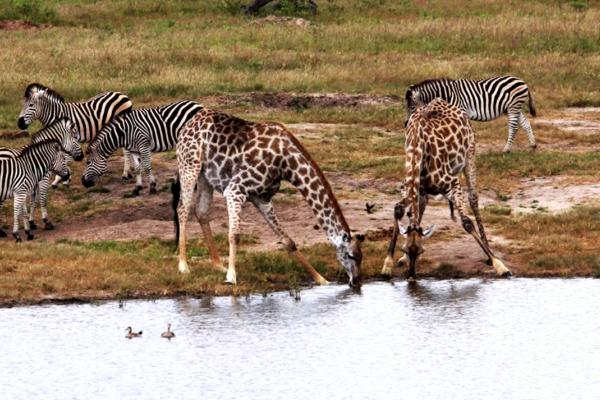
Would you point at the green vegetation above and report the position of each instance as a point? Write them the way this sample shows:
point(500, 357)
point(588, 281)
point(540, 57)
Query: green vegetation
point(35, 11)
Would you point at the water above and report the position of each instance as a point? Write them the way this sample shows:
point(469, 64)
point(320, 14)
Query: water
point(468, 339)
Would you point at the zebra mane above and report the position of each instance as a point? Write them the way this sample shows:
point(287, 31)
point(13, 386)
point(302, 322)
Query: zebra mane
point(428, 81)
point(36, 87)
point(23, 151)
point(46, 129)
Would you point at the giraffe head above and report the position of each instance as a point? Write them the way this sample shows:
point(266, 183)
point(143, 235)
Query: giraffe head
point(413, 245)
point(349, 255)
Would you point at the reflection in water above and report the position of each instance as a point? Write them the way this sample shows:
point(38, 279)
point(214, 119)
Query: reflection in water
point(460, 339)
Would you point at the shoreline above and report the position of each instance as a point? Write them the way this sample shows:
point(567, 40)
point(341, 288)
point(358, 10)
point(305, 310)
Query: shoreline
point(224, 290)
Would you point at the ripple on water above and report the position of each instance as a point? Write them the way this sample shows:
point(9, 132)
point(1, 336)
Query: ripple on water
point(497, 339)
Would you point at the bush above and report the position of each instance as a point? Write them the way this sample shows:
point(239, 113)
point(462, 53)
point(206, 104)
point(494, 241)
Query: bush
point(36, 11)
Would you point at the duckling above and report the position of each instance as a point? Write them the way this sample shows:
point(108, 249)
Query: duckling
point(168, 334)
point(131, 334)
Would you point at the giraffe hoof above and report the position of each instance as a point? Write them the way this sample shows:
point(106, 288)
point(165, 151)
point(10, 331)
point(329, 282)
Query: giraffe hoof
point(32, 225)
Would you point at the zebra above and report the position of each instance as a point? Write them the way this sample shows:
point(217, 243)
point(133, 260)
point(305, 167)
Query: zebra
point(141, 132)
point(46, 105)
point(482, 100)
point(64, 131)
point(20, 174)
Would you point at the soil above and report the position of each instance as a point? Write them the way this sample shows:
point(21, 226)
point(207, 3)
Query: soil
point(304, 100)
point(21, 25)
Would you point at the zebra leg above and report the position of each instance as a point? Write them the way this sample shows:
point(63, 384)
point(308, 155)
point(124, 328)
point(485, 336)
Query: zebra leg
point(146, 164)
point(203, 202)
point(19, 211)
point(43, 200)
point(524, 122)
point(32, 199)
point(513, 124)
point(126, 166)
point(137, 169)
point(2, 233)
point(235, 200)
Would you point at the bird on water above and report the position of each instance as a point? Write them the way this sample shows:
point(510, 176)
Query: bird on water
point(168, 334)
point(131, 334)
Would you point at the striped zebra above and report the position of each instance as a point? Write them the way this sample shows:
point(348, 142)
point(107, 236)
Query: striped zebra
point(44, 104)
point(20, 174)
point(141, 132)
point(483, 100)
point(64, 131)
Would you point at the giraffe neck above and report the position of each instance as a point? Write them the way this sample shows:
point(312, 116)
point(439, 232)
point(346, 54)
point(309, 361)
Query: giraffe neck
point(413, 164)
point(308, 178)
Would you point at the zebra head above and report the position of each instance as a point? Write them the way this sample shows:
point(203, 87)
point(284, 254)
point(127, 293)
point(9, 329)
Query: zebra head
point(412, 102)
point(59, 163)
point(30, 110)
point(70, 139)
point(96, 165)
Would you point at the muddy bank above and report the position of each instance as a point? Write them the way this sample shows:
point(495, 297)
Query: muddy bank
point(301, 101)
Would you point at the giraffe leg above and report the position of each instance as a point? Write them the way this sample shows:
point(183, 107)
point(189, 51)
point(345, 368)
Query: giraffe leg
point(457, 197)
point(267, 211)
point(205, 197)
point(524, 122)
point(235, 201)
point(388, 264)
point(513, 124)
point(188, 175)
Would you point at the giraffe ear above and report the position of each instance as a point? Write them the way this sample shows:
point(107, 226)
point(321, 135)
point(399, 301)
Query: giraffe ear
point(429, 231)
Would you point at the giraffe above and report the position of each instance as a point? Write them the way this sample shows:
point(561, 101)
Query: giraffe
point(440, 145)
point(246, 161)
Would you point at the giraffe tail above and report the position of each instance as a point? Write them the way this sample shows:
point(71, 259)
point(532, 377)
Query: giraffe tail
point(532, 105)
point(176, 191)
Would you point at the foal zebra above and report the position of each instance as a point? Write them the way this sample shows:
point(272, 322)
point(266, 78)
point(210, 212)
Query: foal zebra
point(141, 132)
point(19, 175)
point(482, 100)
point(44, 104)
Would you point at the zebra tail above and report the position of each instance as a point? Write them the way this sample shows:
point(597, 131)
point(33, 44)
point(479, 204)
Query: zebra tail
point(176, 191)
point(532, 105)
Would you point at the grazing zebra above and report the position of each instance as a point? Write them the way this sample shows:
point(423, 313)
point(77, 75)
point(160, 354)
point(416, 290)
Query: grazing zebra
point(482, 100)
point(64, 131)
point(20, 174)
point(141, 132)
point(44, 104)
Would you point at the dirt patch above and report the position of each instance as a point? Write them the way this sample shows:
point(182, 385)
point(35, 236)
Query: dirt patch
point(302, 101)
point(21, 25)
point(279, 20)
point(14, 135)
point(585, 121)
point(552, 195)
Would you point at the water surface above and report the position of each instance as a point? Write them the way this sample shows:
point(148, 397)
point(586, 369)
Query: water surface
point(467, 339)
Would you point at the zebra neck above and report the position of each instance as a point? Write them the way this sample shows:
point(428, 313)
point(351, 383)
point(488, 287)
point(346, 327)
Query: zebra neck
point(53, 109)
point(113, 138)
point(39, 161)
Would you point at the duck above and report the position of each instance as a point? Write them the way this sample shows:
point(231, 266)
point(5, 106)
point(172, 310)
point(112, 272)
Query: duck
point(131, 334)
point(168, 334)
